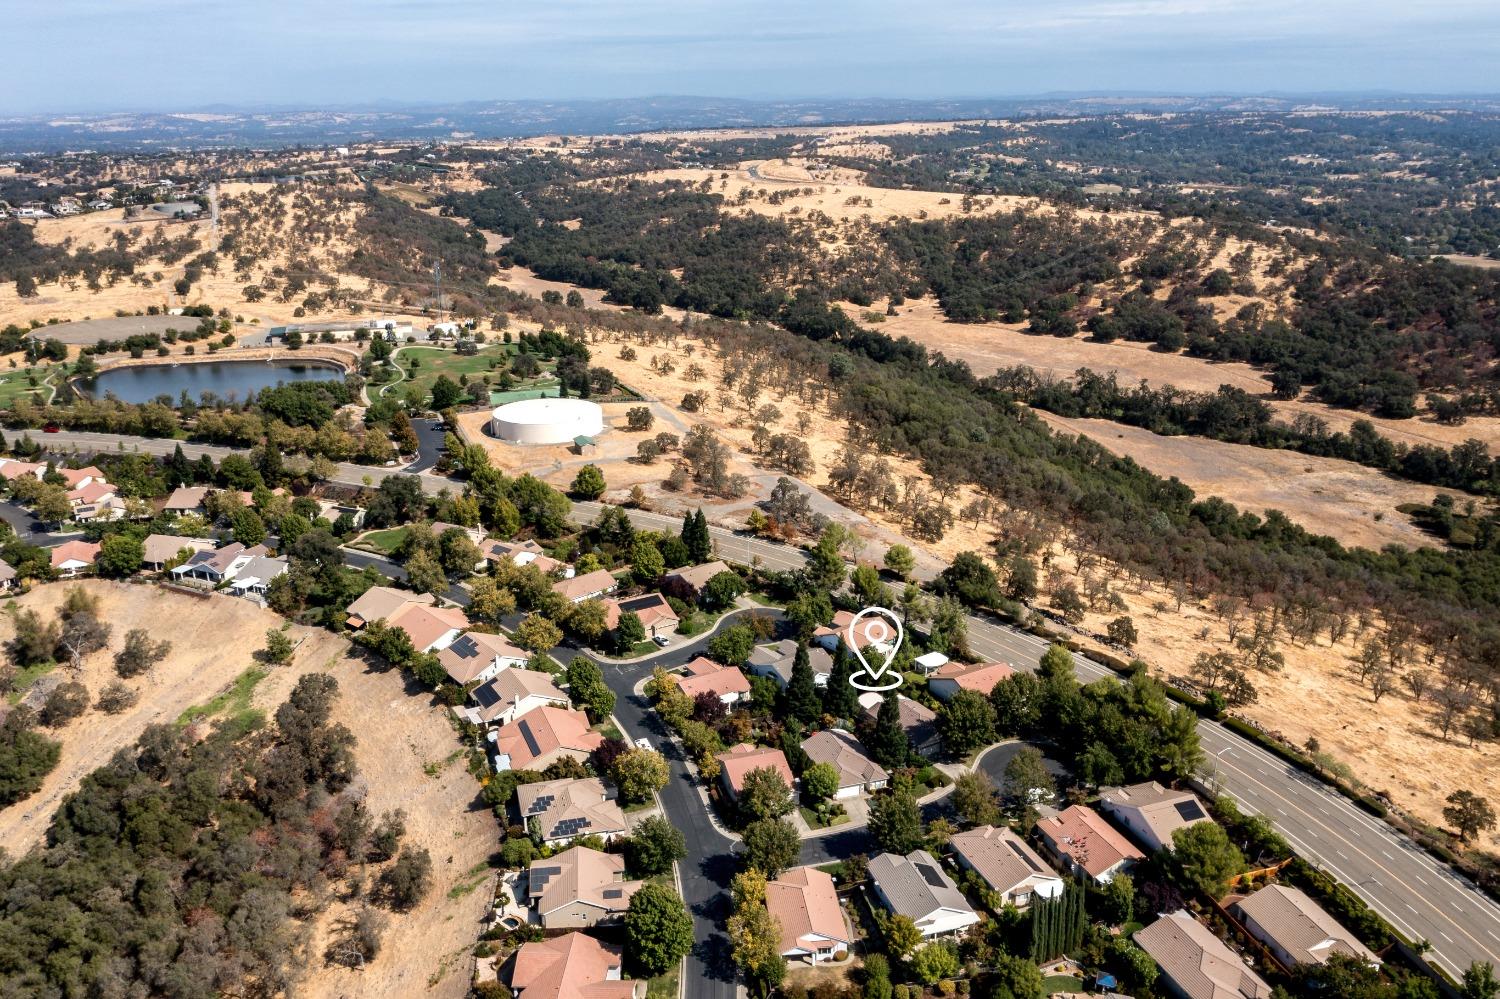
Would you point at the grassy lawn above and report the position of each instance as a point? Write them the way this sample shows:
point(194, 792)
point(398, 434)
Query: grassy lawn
point(665, 986)
point(16, 384)
point(434, 361)
point(764, 599)
point(1061, 983)
point(545, 385)
point(811, 818)
point(385, 542)
point(609, 731)
point(236, 700)
point(26, 677)
point(695, 623)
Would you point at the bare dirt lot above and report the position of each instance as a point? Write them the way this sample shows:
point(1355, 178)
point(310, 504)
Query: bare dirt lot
point(406, 752)
point(1354, 504)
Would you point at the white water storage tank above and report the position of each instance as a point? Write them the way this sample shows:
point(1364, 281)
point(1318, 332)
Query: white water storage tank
point(546, 421)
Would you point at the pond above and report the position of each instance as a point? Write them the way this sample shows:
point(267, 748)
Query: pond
point(236, 380)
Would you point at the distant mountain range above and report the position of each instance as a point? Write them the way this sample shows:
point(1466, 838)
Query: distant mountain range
point(285, 126)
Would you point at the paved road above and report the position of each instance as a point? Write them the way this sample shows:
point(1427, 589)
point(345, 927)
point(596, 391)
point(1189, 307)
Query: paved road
point(1423, 898)
point(347, 474)
point(429, 444)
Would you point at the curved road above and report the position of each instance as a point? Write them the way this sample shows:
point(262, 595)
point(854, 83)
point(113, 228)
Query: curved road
point(1423, 898)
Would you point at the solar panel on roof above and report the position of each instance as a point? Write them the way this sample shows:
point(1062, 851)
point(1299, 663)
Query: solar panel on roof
point(541, 804)
point(613, 893)
point(1189, 810)
point(530, 740)
point(930, 875)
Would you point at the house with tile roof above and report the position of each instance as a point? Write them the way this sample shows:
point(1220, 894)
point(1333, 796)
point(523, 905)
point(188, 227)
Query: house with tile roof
point(704, 676)
point(1086, 844)
point(542, 736)
point(73, 558)
point(1195, 964)
point(159, 549)
point(805, 905)
point(775, 661)
point(915, 886)
point(475, 657)
point(572, 966)
point(589, 586)
point(509, 694)
point(858, 774)
point(688, 582)
point(218, 565)
point(1152, 813)
point(522, 553)
point(870, 632)
point(562, 810)
point(430, 628)
point(1006, 863)
point(1296, 929)
point(655, 614)
point(981, 678)
point(917, 720)
point(579, 887)
point(739, 761)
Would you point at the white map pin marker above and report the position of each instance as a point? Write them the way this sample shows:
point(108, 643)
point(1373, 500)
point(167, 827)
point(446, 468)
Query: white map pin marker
point(876, 635)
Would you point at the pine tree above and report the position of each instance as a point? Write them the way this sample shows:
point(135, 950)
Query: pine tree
point(889, 744)
point(695, 536)
point(179, 469)
point(802, 700)
point(839, 698)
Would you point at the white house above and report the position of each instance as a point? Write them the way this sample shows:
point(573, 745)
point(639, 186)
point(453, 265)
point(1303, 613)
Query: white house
point(475, 657)
point(915, 886)
point(257, 574)
point(218, 565)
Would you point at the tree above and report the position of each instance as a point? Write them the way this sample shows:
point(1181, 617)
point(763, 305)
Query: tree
point(732, 645)
point(934, 962)
point(425, 574)
point(1027, 780)
point(975, 797)
point(1122, 631)
point(249, 529)
point(446, 393)
point(26, 757)
point(587, 689)
point(840, 699)
point(1057, 661)
point(1017, 701)
point(638, 418)
point(1020, 579)
point(970, 580)
point(489, 601)
point(1479, 981)
point(629, 632)
point(654, 846)
point(825, 564)
point(457, 554)
point(120, 555)
point(67, 701)
point(646, 562)
point(1116, 900)
point(895, 822)
point(754, 934)
point(889, 744)
point(1203, 859)
point(820, 781)
point(588, 484)
point(639, 774)
point(279, 646)
point(965, 723)
point(867, 586)
point(82, 634)
point(900, 561)
point(51, 505)
point(721, 591)
point(771, 846)
point(1016, 977)
point(696, 537)
point(949, 632)
point(802, 700)
point(116, 697)
point(139, 653)
point(537, 634)
point(764, 794)
point(406, 881)
point(902, 936)
point(658, 929)
point(1468, 813)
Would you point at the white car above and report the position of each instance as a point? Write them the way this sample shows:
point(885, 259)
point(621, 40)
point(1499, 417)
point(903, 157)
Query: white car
point(662, 640)
point(643, 743)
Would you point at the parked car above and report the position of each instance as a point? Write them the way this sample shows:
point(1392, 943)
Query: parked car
point(643, 743)
point(662, 640)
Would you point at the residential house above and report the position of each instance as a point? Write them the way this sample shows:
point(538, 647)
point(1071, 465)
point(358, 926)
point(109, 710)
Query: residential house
point(572, 966)
point(739, 761)
point(1006, 864)
point(589, 586)
point(159, 549)
point(7, 575)
point(76, 478)
point(1152, 813)
point(775, 661)
point(509, 694)
point(565, 809)
point(1085, 843)
point(73, 558)
point(916, 887)
point(218, 565)
point(186, 499)
point(430, 628)
point(704, 676)
point(474, 657)
point(255, 578)
point(918, 720)
point(522, 553)
point(871, 632)
point(688, 582)
point(332, 510)
point(1195, 964)
point(474, 534)
point(1296, 929)
point(857, 772)
point(930, 662)
point(541, 736)
point(656, 615)
point(806, 906)
point(13, 468)
point(580, 887)
point(981, 678)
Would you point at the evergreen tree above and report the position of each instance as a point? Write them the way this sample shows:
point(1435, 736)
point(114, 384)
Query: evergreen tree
point(896, 822)
point(889, 745)
point(839, 698)
point(179, 469)
point(695, 537)
point(802, 700)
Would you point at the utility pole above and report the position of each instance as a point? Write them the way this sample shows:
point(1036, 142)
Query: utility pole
point(437, 276)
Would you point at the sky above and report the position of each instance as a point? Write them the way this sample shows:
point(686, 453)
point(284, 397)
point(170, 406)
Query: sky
point(162, 55)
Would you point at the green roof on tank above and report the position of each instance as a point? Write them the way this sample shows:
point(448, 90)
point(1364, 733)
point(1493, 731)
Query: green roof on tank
point(582, 441)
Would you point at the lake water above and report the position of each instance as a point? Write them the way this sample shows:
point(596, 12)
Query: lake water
point(237, 380)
